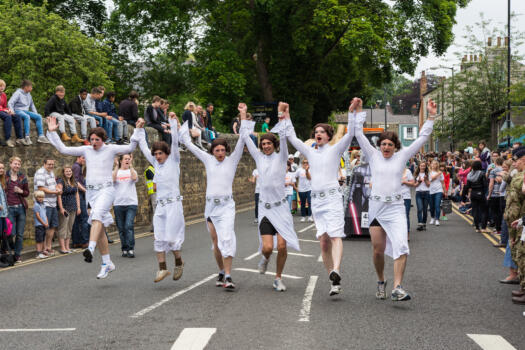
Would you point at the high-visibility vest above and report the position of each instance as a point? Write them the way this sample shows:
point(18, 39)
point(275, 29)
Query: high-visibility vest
point(149, 183)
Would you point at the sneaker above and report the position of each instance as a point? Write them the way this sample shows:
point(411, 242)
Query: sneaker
point(310, 219)
point(10, 143)
point(431, 222)
point(419, 227)
point(42, 139)
point(255, 221)
point(124, 253)
point(278, 285)
point(335, 289)
point(22, 141)
point(437, 222)
point(335, 277)
point(303, 219)
point(131, 254)
point(263, 265)
point(228, 284)
point(18, 260)
point(220, 280)
point(399, 294)
point(424, 227)
point(105, 269)
point(161, 274)
point(177, 272)
point(41, 256)
point(381, 294)
point(88, 255)
point(28, 140)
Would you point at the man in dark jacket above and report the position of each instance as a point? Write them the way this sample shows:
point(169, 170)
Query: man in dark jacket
point(129, 108)
point(57, 107)
point(484, 155)
point(154, 119)
point(76, 106)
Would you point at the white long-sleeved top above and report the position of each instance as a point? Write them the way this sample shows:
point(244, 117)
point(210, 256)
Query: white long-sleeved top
point(99, 163)
point(387, 172)
point(219, 175)
point(167, 174)
point(324, 160)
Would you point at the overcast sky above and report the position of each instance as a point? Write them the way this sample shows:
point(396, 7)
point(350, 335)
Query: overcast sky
point(494, 10)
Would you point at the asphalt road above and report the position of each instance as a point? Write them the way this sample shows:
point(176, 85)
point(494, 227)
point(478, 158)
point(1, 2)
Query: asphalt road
point(452, 275)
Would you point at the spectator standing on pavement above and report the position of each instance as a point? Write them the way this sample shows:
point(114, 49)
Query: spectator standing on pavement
point(57, 107)
point(289, 184)
point(17, 189)
point(484, 155)
point(254, 179)
point(422, 184)
point(45, 181)
point(80, 235)
point(68, 207)
point(76, 106)
point(129, 108)
point(10, 119)
point(463, 172)
point(125, 203)
point(41, 224)
point(21, 102)
point(4, 210)
point(304, 189)
point(495, 198)
point(477, 185)
point(407, 182)
point(149, 175)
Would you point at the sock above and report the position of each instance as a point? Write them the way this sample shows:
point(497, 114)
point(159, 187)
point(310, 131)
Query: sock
point(92, 245)
point(227, 275)
point(162, 266)
point(221, 272)
point(106, 259)
point(178, 261)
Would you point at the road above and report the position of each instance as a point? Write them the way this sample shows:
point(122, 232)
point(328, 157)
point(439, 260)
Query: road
point(452, 274)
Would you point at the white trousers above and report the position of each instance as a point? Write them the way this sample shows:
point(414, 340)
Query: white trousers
point(84, 120)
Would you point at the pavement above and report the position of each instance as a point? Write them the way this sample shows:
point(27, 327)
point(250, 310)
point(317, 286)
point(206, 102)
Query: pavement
point(452, 274)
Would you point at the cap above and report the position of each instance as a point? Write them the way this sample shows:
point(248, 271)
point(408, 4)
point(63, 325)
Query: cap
point(518, 152)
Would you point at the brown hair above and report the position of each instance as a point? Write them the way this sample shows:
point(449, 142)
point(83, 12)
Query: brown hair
point(160, 146)
point(2, 178)
point(499, 161)
point(63, 176)
point(121, 157)
point(327, 128)
point(100, 132)
point(219, 142)
point(391, 136)
point(25, 83)
point(271, 137)
point(155, 99)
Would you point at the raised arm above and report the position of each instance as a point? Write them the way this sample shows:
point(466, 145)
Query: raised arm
point(236, 155)
point(365, 145)
point(174, 127)
point(424, 133)
point(292, 138)
point(54, 139)
point(139, 135)
point(245, 135)
point(186, 140)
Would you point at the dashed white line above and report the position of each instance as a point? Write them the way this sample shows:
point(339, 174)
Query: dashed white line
point(320, 258)
point(37, 329)
point(306, 228)
point(269, 273)
point(308, 240)
point(171, 297)
point(251, 256)
point(193, 338)
point(304, 315)
point(297, 254)
point(490, 342)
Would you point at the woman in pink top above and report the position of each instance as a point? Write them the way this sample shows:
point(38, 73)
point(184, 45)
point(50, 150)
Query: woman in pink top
point(463, 172)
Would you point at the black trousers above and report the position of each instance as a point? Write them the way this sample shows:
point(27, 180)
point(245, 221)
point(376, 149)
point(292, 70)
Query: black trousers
point(165, 136)
point(496, 208)
point(479, 212)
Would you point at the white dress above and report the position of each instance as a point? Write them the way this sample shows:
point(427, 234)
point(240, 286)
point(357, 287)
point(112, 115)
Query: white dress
point(100, 192)
point(386, 201)
point(327, 196)
point(220, 207)
point(272, 197)
point(168, 221)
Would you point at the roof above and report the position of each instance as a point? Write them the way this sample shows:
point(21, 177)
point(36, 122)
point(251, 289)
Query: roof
point(378, 116)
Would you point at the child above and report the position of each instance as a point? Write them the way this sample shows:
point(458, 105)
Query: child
point(41, 224)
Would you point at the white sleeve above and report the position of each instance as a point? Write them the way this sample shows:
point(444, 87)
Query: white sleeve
point(186, 139)
point(174, 151)
point(424, 134)
point(54, 139)
point(365, 145)
point(298, 144)
point(140, 135)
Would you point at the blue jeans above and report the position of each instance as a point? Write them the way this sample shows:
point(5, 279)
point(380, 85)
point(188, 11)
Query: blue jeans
point(100, 120)
point(504, 236)
point(422, 199)
point(80, 233)
point(304, 197)
point(289, 198)
point(435, 205)
point(9, 121)
point(26, 116)
point(111, 128)
point(17, 216)
point(507, 260)
point(408, 203)
point(125, 220)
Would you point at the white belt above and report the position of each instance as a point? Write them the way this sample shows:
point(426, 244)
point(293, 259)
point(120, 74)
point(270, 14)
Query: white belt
point(219, 199)
point(268, 205)
point(98, 187)
point(387, 198)
point(167, 201)
point(329, 192)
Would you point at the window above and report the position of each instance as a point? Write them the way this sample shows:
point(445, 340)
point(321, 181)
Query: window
point(409, 133)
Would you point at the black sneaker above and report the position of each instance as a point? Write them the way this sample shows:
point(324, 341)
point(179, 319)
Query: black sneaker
point(419, 227)
point(335, 277)
point(228, 284)
point(124, 254)
point(220, 280)
point(110, 241)
point(88, 256)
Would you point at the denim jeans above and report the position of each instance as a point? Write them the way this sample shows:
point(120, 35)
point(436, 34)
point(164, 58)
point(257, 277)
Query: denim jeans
point(100, 120)
point(289, 198)
point(26, 116)
point(304, 197)
point(435, 205)
point(256, 205)
point(422, 199)
point(9, 121)
point(81, 227)
point(125, 220)
point(111, 126)
point(17, 216)
point(504, 236)
point(408, 203)
point(507, 260)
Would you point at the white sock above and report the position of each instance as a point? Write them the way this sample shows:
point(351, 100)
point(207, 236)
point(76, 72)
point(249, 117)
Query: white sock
point(106, 259)
point(92, 245)
point(227, 275)
point(221, 272)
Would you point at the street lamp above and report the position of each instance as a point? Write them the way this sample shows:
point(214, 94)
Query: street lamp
point(453, 102)
point(508, 72)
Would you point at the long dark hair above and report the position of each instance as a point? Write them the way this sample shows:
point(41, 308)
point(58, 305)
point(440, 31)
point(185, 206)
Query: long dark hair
point(271, 137)
point(72, 182)
point(416, 174)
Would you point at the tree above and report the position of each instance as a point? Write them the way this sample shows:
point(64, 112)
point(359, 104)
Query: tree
point(46, 49)
point(314, 54)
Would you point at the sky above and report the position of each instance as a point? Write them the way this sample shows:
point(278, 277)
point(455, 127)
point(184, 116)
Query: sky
point(494, 10)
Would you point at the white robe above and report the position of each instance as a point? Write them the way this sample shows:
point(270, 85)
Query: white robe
point(386, 181)
point(99, 167)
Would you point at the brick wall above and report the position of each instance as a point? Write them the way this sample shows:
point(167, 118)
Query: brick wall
point(192, 182)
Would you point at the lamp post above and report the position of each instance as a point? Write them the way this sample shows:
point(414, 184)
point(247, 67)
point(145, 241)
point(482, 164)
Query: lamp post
point(508, 72)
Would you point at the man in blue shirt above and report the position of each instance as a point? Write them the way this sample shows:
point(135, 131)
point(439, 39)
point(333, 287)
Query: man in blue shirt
point(119, 124)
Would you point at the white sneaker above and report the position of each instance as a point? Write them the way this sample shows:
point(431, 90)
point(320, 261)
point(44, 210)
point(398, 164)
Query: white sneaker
point(303, 219)
point(310, 219)
point(255, 221)
point(278, 285)
point(432, 222)
point(263, 265)
point(42, 139)
point(160, 275)
point(105, 269)
point(335, 289)
point(28, 141)
point(41, 256)
point(437, 222)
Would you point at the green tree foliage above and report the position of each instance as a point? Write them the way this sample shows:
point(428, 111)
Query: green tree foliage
point(46, 49)
point(315, 54)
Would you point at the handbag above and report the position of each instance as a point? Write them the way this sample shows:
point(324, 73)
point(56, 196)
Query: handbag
point(195, 132)
point(446, 206)
point(8, 258)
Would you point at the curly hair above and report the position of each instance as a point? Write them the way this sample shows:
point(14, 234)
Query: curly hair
point(327, 128)
point(391, 136)
point(271, 137)
point(160, 146)
point(219, 142)
point(100, 132)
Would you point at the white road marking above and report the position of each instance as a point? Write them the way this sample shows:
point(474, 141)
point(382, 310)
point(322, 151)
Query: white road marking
point(490, 342)
point(306, 228)
point(320, 258)
point(251, 256)
point(297, 254)
point(304, 315)
point(308, 240)
point(269, 273)
point(37, 329)
point(193, 338)
point(171, 297)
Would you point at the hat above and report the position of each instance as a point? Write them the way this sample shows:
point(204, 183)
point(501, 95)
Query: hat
point(518, 152)
point(290, 156)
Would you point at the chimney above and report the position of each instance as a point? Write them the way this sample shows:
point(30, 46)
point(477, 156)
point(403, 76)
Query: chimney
point(499, 41)
point(422, 84)
point(489, 42)
point(506, 41)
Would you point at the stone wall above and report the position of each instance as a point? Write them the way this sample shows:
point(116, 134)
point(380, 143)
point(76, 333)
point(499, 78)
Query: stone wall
point(192, 182)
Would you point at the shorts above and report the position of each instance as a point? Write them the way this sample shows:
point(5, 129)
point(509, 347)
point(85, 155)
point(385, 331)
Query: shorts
point(52, 217)
point(266, 227)
point(209, 220)
point(375, 223)
point(40, 234)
